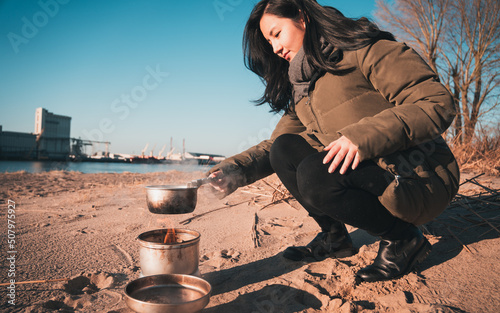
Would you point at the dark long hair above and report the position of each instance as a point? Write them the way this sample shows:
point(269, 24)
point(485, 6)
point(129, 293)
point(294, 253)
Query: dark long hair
point(321, 22)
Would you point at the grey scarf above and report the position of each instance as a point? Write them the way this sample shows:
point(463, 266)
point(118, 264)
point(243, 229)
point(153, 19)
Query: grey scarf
point(300, 71)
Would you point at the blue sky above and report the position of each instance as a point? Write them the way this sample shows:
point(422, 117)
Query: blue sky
point(135, 72)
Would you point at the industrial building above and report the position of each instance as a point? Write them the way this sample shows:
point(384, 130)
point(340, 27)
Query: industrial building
point(15, 145)
point(53, 132)
point(50, 140)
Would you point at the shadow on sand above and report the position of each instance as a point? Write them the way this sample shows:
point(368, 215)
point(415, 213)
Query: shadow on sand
point(272, 298)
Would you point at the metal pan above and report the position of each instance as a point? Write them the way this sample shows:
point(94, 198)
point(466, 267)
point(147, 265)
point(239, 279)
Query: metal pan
point(168, 293)
point(157, 257)
point(173, 199)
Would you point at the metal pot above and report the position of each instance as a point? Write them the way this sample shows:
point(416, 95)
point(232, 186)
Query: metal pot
point(156, 257)
point(173, 199)
point(169, 293)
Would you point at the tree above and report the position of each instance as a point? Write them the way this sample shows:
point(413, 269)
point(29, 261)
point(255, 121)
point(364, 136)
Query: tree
point(460, 40)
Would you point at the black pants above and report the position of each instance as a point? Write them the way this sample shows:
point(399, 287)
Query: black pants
point(351, 198)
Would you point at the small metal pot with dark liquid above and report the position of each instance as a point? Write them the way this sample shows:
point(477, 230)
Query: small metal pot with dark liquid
point(174, 199)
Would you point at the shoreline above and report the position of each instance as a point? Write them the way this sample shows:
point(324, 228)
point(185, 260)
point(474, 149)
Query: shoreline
point(95, 167)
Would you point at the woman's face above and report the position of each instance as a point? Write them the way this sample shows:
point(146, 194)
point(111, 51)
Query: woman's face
point(285, 35)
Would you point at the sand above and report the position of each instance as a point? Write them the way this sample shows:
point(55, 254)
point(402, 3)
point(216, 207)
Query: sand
point(82, 229)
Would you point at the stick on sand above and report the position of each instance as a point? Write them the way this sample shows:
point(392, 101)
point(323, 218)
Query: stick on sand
point(36, 281)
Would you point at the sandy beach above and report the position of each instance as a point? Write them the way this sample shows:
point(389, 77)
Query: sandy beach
point(81, 229)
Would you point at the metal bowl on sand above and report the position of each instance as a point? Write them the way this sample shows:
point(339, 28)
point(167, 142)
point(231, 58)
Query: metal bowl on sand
point(168, 293)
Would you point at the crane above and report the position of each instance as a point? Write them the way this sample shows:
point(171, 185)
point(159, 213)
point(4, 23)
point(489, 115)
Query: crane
point(152, 150)
point(144, 150)
point(161, 151)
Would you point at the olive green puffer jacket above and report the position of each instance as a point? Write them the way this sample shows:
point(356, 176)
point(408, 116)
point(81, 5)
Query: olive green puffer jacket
point(393, 108)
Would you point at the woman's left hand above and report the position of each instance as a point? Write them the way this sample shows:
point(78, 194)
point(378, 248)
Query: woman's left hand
point(341, 149)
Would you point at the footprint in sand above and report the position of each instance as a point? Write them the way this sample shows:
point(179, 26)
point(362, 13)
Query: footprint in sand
point(216, 260)
point(79, 294)
point(89, 283)
point(279, 225)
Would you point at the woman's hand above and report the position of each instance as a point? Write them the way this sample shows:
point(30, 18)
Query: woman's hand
point(223, 184)
point(219, 181)
point(341, 149)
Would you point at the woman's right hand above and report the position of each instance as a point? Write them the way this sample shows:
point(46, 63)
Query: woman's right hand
point(219, 181)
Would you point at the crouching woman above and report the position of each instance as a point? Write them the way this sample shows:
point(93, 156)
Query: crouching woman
point(359, 141)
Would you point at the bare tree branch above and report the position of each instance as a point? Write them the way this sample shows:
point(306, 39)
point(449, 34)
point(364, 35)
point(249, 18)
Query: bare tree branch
point(461, 42)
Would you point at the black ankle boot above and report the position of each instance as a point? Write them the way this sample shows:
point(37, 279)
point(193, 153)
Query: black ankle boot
point(332, 242)
point(397, 257)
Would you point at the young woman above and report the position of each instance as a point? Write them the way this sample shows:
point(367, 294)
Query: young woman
point(359, 141)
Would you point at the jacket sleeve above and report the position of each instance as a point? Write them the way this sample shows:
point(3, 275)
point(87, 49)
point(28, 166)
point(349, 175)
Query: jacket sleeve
point(253, 164)
point(423, 107)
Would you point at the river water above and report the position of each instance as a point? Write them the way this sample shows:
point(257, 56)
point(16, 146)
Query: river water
point(95, 167)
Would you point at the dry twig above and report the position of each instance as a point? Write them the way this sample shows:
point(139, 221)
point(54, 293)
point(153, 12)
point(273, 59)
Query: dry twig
point(36, 281)
point(482, 218)
point(256, 194)
point(470, 179)
point(484, 187)
point(276, 202)
point(454, 236)
point(279, 192)
point(255, 232)
point(189, 220)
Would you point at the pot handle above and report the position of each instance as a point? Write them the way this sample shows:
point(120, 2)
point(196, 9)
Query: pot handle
point(198, 182)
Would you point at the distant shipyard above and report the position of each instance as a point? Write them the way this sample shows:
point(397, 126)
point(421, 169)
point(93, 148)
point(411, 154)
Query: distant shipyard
point(51, 140)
